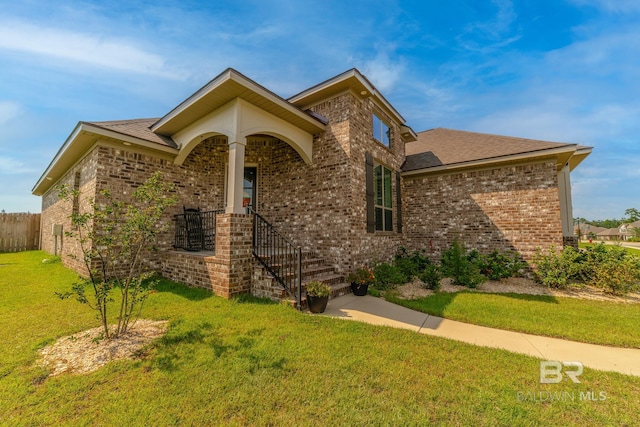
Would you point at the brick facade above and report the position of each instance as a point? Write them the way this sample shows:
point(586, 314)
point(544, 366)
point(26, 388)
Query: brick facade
point(508, 208)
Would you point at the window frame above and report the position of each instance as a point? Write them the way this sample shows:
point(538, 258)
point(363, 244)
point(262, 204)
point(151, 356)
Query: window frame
point(381, 130)
point(383, 198)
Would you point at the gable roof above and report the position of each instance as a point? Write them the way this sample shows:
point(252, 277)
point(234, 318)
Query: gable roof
point(442, 148)
point(360, 86)
point(227, 86)
point(609, 232)
point(86, 134)
point(137, 128)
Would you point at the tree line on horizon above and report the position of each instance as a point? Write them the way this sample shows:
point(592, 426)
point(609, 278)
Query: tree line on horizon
point(631, 215)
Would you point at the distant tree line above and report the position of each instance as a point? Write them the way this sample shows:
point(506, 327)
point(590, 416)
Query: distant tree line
point(631, 215)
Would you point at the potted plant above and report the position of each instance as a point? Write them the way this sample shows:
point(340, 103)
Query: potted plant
point(317, 296)
point(360, 280)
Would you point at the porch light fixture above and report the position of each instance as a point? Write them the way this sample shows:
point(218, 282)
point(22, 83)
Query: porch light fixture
point(126, 143)
point(363, 93)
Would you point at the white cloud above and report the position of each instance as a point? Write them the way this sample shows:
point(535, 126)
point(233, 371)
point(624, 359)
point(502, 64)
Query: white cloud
point(83, 48)
point(11, 166)
point(8, 111)
point(382, 70)
point(492, 34)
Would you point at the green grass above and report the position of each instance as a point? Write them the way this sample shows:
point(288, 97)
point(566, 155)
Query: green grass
point(597, 322)
point(632, 251)
point(251, 363)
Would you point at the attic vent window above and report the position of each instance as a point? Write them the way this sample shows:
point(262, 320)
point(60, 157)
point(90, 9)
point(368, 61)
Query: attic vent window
point(381, 131)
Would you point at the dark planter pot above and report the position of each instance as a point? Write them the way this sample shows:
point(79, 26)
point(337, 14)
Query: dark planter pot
point(359, 290)
point(317, 304)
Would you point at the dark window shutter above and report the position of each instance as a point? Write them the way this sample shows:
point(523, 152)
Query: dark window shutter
point(371, 215)
point(398, 202)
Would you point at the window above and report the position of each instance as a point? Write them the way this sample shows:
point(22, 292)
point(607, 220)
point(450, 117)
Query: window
point(381, 131)
point(382, 194)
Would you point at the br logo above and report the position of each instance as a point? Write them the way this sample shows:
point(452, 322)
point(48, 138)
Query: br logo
point(552, 372)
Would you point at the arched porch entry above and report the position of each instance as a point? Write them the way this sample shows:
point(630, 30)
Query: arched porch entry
point(238, 120)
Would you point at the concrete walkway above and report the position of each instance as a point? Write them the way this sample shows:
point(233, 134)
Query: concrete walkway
point(380, 312)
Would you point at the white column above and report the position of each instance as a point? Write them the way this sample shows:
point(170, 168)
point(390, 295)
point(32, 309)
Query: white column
point(566, 209)
point(235, 177)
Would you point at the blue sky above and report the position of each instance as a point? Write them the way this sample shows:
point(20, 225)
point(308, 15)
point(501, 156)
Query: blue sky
point(566, 71)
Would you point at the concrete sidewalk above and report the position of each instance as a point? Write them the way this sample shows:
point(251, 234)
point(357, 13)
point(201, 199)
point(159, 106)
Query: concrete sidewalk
point(380, 312)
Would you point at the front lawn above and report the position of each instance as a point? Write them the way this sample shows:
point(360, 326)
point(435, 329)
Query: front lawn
point(597, 322)
point(252, 363)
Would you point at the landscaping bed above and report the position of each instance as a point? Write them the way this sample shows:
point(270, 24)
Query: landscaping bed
point(517, 285)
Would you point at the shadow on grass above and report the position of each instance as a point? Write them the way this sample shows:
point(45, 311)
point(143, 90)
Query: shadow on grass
point(202, 344)
point(250, 299)
point(437, 303)
point(184, 291)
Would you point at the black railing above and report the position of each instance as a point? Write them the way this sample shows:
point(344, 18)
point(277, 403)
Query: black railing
point(196, 230)
point(279, 256)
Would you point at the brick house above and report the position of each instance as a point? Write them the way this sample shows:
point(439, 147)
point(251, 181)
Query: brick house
point(336, 176)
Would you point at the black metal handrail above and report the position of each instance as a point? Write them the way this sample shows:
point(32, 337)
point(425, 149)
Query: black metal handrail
point(196, 230)
point(279, 256)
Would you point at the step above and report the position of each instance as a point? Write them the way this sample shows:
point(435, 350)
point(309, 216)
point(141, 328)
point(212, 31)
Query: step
point(328, 278)
point(315, 271)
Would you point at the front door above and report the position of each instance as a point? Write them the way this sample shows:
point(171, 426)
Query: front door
point(250, 188)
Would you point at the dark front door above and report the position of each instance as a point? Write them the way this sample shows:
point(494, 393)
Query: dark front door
point(250, 188)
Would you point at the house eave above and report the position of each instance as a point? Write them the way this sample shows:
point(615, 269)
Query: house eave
point(79, 142)
point(227, 86)
point(562, 156)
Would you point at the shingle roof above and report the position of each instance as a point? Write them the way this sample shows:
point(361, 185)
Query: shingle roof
point(609, 232)
point(440, 146)
point(137, 128)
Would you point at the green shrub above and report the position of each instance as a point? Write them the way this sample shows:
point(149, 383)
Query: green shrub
point(553, 269)
point(387, 276)
point(500, 265)
point(618, 276)
point(431, 276)
point(410, 265)
point(610, 268)
point(461, 268)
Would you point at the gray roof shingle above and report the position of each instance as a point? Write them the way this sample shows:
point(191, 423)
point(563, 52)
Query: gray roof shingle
point(137, 128)
point(440, 146)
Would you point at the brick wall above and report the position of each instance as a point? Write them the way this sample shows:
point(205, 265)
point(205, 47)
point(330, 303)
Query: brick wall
point(508, 208)
point(57, 211)
point(228, 272)
point(379, 246)
point(322, 206)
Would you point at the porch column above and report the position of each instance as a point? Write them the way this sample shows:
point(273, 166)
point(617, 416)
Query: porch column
point(235, 177)
point(566, 211)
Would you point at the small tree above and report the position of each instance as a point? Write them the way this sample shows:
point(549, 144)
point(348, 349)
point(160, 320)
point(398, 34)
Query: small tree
point(114, 238)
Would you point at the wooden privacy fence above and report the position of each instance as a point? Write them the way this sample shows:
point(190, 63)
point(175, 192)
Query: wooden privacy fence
point(19, 232)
